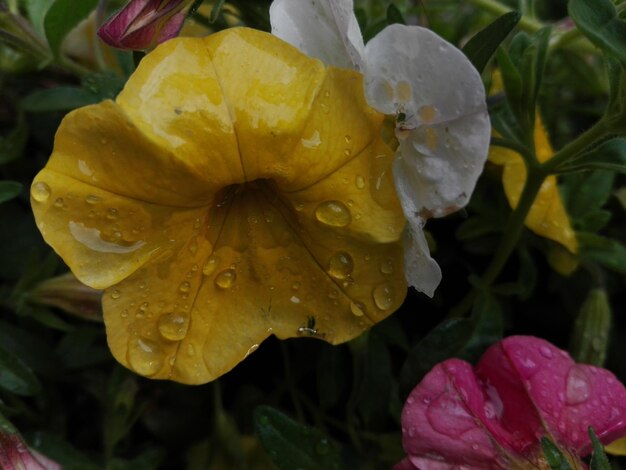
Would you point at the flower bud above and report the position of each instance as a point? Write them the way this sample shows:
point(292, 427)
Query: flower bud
point(70, 295)
point(590, 338)
point(142, 24)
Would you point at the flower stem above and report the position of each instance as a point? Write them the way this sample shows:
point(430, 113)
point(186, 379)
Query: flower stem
point(537, 173)
point(592, 135)
point(493, 6)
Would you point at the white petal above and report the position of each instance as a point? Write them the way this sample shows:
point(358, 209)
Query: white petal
point(420, 270)
point(325, 29)
point(444, 138)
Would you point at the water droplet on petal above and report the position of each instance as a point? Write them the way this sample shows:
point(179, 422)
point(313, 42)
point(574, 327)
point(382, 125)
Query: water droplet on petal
point(226, 279)
point(357, 309)
point(40, 192)
point(184, 287)
point(359, 182)
point(333, 213)
point(115, 294)
point(191, 351)
point(112, 214)
point(145, 356)
point(384, 296)
point(577, 388)
point(253, 348)
point(546, 352)
point(93, 199)
point(173, 326)
point(340, 265)
point(386, 267)
point(209, 266)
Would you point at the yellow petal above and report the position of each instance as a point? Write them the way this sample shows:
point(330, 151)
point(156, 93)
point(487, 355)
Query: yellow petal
point(617, 447)
point(547, 216)
point(253, 196)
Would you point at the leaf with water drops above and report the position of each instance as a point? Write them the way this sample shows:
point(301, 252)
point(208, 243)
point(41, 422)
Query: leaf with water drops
point(293, 445)
point(145, 197)
point(547, 216)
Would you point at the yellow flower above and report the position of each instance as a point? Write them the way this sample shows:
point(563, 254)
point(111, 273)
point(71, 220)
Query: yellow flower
point(547, 216)
point(235, 189)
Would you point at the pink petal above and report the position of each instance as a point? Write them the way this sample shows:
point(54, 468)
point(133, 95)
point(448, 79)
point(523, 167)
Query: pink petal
point(569, 397)
point(444, 421)
point(14, 455)
point(404, 464)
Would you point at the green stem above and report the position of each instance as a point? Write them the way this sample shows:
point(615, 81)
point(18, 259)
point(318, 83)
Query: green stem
point(537, 173)
point(592, 135)
point(493, 6)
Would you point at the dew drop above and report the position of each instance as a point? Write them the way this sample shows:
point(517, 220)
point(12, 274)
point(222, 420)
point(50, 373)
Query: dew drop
point(359, 182)
point(58, 202)
point(209, 266)
point(184, 287)
point(386, 267)
point(145, 356)
point(115, 294)
point(333, 213)
point(112, 214)
point(40, 192)
point(295, 285)
point(577, 388)
point(253, 348)
point(173, 326)
point(91, 199)
point(348, 139)
point(357, 309)
point(226, 279)
point(383, 296)
point(322, 447)
point(340, 265)
point(191, 351)
point(546, 352)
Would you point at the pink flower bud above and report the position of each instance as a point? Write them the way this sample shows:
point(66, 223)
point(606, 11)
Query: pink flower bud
point(142, 24)
point(493, 416)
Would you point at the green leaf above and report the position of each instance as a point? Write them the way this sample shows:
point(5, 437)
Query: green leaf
point(63, 98)
point(12, 146)
point(586, 193)
point(394, 15)
point(484, 44)
point(598, 20)
point(609, 155)
point(598, 249)
point(15, 376)
point(216, 10)
point(62, 17)
point(443, 342)
point(9, 190)
point(292, 445)
point(599, 460)
point(553, 455)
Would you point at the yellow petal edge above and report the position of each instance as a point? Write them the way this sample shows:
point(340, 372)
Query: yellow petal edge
point(235, 189)
point(547, 216)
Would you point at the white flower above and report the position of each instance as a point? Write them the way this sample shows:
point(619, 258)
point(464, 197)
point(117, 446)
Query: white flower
point(435, 94)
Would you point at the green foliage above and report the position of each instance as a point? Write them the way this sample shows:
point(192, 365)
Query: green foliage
point(61, 17)
point(554, 456)
point(292, 445)
point(484, 44)
point(599, 460)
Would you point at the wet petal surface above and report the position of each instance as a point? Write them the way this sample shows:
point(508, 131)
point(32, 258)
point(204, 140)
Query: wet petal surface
point(226, 209)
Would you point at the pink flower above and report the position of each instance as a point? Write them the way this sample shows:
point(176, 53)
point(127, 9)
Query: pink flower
point(142, 24)
point(494, 415)
point(14, 455)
